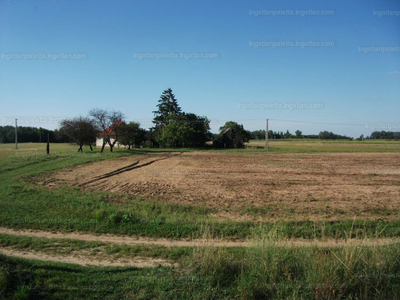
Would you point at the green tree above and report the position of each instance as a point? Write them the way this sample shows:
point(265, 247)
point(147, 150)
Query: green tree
point(326, 135)
point(201, 130)
point(131, 134)
point(81, 130)
point(388, 135)
point(238, 128)
point(167, 105)
point(258, 135)
point(185, 130)
point(298, 133)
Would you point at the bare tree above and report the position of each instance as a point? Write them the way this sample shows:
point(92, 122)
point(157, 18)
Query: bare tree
point(81, 130)
point(108, 123)
point(116, 120)
point(100, 118)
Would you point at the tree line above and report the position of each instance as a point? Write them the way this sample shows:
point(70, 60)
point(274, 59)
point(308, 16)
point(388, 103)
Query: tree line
point(172, 128)
point(277, 135)
point(323, 135)
point(386, 135)
point(28, 134)
point(110, 126)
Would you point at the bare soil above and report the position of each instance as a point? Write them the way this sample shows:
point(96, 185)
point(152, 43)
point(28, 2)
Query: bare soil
point(254, 186)
point(83, 258)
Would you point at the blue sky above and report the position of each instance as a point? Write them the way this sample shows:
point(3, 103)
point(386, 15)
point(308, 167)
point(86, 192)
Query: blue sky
point(348, 66)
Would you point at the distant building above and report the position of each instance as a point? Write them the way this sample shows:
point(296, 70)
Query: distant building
point(230, 139)
point(111, 133)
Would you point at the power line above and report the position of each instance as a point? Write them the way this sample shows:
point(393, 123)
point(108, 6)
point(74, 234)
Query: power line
point(293, 121)
point(324, 123)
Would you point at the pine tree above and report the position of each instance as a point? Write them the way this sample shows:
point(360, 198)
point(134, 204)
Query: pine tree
point(167, 105)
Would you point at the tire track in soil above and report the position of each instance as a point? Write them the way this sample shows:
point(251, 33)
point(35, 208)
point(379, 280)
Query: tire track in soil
point(84, 258)
point(125, 169)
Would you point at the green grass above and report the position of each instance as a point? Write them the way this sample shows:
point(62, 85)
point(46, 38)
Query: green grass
point(284, 146)
point(267, 271)
point(325, 146)
point(99, 249)
point(264, 271)
point(36, 280)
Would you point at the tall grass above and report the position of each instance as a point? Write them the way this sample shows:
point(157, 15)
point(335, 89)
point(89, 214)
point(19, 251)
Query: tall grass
point(269, 271)
point(266, 270)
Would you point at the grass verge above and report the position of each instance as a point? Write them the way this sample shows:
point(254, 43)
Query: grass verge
point(265, 271)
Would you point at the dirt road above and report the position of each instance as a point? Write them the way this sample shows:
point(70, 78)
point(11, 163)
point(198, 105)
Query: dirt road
point(84, 257)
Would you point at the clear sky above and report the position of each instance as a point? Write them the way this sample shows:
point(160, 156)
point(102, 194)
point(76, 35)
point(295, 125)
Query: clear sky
point(328, 61)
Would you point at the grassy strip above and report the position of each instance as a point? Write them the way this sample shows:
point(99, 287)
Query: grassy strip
point(21, 279)
point(261, 272)
point(66, 246)
point(325, 146)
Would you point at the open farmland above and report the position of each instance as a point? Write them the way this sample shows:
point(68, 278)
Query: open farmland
point(248, 186)
point(325, 146)
point(170, 224)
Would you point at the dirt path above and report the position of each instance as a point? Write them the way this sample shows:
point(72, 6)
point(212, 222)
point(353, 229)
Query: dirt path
point(84, 259)
point(126, 240)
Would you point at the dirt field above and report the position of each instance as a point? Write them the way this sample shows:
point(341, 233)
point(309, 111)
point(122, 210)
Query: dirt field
point(256, 186)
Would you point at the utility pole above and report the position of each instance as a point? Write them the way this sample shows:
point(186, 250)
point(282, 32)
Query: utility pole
point(266, 137)
point(16, 134)
point(48, 144)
